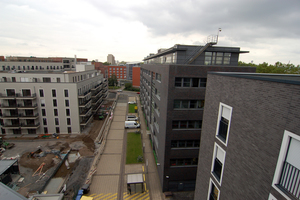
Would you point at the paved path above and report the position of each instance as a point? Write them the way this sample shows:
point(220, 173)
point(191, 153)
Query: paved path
point(109, 181)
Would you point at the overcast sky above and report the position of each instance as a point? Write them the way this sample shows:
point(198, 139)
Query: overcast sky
point(131, 29)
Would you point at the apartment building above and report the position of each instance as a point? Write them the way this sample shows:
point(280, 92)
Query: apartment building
point(38, 102)
point(250, 140)
point(173, 86)
point(119, 71)
point(39, 63)
point(111, 59)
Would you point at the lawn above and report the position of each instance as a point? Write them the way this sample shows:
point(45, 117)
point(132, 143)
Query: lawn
point(134, 148)
point(131, 108)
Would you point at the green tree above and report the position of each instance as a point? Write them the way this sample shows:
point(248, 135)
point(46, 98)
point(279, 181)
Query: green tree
point(106, 63)
point(113, 81)
point(128, 86)
point(123, 62)
point(278, 68)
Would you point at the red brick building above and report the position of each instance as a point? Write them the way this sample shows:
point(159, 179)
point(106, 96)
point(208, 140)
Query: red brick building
point(119, 71)
point(136, 76)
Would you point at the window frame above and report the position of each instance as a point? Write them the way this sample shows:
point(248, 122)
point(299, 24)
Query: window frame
point(210, 187)
point(221, 105)
point(216, 147)
point(281, 158)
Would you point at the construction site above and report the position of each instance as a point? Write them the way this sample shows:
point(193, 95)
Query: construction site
point(51, 164)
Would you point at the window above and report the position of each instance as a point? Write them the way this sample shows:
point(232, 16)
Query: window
point(58, 80)
point(286, 181)
point(68, 112)
point(188, 104)
point(67, 103)
point(66, 93)
point(213, 191)
point(218, 162)
point(54, 102)
point(190, 82)
point(41, 93)
point(68, 121)
point(46, 79)
point(158, 77)
point(224, 122)
point(69, 130)
point(57, 129)
point(43, 102)
point(184, 162)
point(56, 121)
point(45, 130)
point(185, 144)
point(191, 124)
point(43, 112)
point(53, 93)
point(44, 121)
point(55, 112)
point(13, 79)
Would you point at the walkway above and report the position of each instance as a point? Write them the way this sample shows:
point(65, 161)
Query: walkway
point(109, 181)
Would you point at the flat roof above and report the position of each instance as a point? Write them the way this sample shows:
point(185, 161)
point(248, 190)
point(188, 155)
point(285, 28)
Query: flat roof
point(8, 193)
point(5, 164)
point(134, 178)
point(280, 78)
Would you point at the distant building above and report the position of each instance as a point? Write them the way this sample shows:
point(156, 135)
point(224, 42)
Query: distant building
point(250, 140)
point(2, 58)
point(38, 102)
point(173, 85)
point(119, 71)
point(129, 66)
point(102, 68)
point(111, 59)
point(39, 63)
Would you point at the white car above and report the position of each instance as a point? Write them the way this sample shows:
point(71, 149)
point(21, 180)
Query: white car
point(119, 90)
point(131, 102)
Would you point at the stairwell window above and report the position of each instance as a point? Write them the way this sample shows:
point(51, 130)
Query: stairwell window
point(190, 82)
point(224, 120)
point(213, 191)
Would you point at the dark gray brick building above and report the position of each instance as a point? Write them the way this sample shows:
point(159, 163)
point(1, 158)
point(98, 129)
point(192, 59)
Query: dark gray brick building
point(173, 85)
point(250, 139)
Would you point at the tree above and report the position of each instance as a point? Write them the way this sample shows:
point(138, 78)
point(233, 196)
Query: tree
point(113, 81)
point(122, 62)
point(106, 63)
point(128, 86)
point(278, 68)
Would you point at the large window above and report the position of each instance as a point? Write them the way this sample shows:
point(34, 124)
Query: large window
point(185, 143)
point(184, 124)
point(224, 119)
point(184, 162)
point(41, 93)
point(66, 93)
point(188, 104)
point(218, 162)
point(190, 82)
point(53, 93)
point(287, 173)
point(217, 58)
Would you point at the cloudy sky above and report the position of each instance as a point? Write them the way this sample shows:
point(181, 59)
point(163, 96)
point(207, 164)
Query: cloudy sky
point(131, 29)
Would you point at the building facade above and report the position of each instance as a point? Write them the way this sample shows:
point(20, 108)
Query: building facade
point(250, 140)
point(136, 76)
point(38, 102)
point(119, 71)
point(111, 59)
point(173, 96)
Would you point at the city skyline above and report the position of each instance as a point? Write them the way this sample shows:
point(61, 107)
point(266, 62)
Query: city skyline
point(130, 30)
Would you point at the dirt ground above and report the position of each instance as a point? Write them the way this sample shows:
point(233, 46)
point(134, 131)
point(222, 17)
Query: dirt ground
point(84, 144)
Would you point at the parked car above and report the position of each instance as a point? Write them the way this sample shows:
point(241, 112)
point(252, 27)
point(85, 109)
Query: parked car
point(131, 118)
point(131, 102)
point(132, 124)
point(138, 92)
point(120, 90)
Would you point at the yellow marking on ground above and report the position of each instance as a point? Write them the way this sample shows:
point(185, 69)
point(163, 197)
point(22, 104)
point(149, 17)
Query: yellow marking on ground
point(144, 177)
point(102, 197)
point(92, 195)
point(138, 196)
point(114, 196)
point(143, 168)
point(145, 187)
point(97, 195)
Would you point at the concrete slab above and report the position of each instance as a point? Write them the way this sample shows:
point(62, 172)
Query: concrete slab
point(117, 125)
point(109, 164)
point(119, 118)
point(113, 146)
point(134, 168)
point(121, 112)
point(104, 184)
point(121, 108)
point(121, 104)
point(115, 134)
point(54, 185)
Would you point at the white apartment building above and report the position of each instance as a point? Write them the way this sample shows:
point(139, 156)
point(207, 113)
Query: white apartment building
point(39, 101)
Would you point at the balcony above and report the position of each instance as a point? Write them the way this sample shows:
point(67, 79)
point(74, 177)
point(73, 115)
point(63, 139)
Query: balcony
point(86, 120)
point(96, 94)
point(30, 126)
point(97, 86)
point(84, 94)
point(96, 107)
point(85, 103)
point(289, 181)
point(22, 116)
point(95, 101)
point(17, 96)
point(11, 126)
point(19, 106)
point(85, 112)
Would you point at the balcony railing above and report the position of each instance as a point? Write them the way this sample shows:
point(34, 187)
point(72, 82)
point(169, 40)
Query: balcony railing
point(290, 180)
point(20, 116)
point(21, 106)
point(85, 112)
point(86, 120)
point(96, 86)
point(18, 96)
point(85, 103)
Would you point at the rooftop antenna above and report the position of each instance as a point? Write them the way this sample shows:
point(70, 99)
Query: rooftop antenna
point(219, 30)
